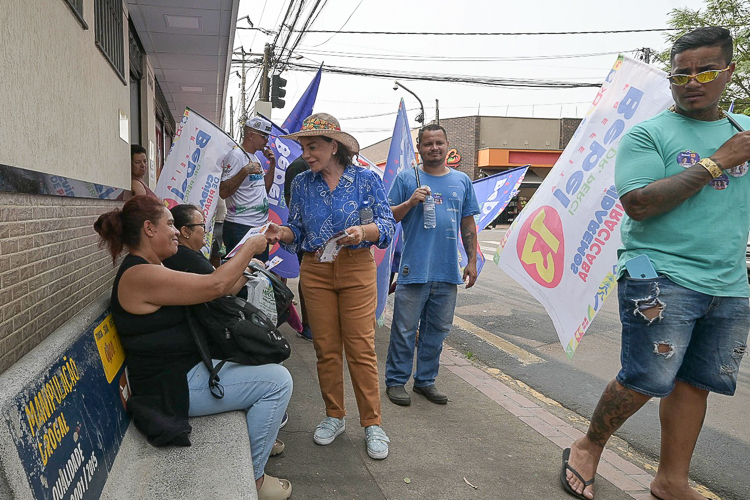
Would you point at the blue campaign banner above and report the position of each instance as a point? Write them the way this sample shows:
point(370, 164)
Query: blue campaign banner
point(70, 422)
point(493, 195)
point(286, 151)
point(495, 192)
point(400, 156)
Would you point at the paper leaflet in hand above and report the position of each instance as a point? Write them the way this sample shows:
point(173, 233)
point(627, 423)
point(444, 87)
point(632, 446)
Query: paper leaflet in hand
point(331, 248)
point(273, 262)
point(252, 232)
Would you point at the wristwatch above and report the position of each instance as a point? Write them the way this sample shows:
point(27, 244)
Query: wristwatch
point(713, 168)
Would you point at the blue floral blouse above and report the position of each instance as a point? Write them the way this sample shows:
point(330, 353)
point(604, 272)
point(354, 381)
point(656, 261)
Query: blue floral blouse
point(316, 213)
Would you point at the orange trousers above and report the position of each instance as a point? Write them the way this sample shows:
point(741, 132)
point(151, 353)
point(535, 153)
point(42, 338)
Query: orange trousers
point(341, 297)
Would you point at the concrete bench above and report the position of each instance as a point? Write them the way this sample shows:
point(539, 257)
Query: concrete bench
point(65, 434)
point(217, 465)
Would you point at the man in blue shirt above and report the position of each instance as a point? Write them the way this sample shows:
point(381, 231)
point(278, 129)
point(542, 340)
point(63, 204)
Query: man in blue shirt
point(429, 275)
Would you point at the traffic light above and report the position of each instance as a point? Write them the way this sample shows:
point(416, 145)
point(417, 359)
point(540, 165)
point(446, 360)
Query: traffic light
point(277, 91)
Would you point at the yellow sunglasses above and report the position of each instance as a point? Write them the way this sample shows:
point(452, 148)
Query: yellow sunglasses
point(703, 77)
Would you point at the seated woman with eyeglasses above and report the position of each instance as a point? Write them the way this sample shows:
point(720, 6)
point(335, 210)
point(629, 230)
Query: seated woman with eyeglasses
point(167, 377)
point(191, 236)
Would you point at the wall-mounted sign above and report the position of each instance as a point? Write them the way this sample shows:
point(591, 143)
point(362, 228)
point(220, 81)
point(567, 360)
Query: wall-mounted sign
point(454, 159)
point(68, 424)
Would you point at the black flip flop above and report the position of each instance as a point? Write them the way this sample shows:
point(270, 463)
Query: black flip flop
point(564, 476)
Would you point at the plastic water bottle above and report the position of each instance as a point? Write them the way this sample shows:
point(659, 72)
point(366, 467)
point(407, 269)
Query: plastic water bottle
point(365, 213)
point(429, 211)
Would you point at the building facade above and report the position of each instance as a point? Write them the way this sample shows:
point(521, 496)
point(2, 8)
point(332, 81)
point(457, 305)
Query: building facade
point(485, 145)
point(81, 81)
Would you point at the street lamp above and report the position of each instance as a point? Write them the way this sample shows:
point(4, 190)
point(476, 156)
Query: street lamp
point(420, 117)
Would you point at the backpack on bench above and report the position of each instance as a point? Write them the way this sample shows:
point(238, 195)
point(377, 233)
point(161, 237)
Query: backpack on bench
point(241, 333)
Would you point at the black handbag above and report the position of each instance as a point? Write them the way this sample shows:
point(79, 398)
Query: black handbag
point(240, 332)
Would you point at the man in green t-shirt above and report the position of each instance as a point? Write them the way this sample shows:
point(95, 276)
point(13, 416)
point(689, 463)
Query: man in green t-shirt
point(683, 288)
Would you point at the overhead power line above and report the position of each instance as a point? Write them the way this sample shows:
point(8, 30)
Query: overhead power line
point(489, 81)
point(400, 57)
point(485, 33)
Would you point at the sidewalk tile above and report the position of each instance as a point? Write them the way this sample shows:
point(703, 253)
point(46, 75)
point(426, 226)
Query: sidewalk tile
point(500, 387)
point(617, 477)
point(548, 417)
point(561, 441)
point(644, 479)
point(572, 432)
point(622, 464)
point(492, 393)
point(541, 426)
point(522, 401)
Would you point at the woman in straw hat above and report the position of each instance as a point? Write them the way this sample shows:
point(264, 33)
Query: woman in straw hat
point(334, 197)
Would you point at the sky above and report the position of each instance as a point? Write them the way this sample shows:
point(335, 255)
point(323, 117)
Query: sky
point(366, 106)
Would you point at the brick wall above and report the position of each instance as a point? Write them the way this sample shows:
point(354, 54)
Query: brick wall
point(568, 127)
point(463, 135)
point(50, 266)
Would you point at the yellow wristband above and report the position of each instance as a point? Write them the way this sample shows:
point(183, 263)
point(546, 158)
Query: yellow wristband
point(364, 235)
point(713, 168)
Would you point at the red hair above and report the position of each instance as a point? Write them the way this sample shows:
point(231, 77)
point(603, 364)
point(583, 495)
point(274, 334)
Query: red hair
point(122, 228)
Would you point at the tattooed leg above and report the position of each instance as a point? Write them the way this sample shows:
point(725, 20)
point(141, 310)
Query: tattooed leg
point(615, 406)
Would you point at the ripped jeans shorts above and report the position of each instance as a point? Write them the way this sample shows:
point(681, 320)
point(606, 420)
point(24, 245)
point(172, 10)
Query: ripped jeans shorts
point(671, 333)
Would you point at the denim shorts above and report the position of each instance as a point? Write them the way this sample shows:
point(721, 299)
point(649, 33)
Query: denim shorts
point(696, 338)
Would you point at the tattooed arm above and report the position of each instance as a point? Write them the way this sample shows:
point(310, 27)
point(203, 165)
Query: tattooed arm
point(469, 239)
point(663, 195)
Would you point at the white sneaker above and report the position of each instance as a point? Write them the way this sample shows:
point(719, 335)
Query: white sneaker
point(377, 442)
point(328, 429)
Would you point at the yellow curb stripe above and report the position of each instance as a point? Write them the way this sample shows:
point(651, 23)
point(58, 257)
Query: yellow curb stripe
point(525, 357)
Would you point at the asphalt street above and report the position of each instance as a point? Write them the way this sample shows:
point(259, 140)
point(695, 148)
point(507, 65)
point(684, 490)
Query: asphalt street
point(503, 326)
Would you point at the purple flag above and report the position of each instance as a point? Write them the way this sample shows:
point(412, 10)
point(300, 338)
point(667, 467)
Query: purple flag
point(304, 106)
point(286, 151)
point(400, 156)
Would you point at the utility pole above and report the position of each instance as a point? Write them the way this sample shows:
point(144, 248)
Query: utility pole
point(244, 106)
point(437, 112)
point(264, 87)
point(645, 54)
point(231, 116)
point(263, 104)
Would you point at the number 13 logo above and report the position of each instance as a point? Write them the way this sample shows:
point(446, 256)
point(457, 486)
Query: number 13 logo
point(541, 247)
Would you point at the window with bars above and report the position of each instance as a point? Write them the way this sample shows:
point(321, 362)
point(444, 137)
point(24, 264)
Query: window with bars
point(77, 7)
point(109, 33)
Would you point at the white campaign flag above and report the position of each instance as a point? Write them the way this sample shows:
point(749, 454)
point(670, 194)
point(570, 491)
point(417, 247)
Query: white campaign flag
point(192, 171)
point(562, 247)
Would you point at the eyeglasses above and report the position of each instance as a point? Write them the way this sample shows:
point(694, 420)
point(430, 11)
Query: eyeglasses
point(202, 224)
point(703, 77)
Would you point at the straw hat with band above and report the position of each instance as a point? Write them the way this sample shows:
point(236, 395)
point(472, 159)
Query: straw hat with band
point(327, 126)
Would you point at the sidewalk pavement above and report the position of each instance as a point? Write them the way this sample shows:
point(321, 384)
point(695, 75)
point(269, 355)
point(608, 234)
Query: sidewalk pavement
point(488, 442)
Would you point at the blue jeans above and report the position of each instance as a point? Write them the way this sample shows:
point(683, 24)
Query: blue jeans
point(433, 303)
point(233, 233)
point(696, 338)
point(262, 391)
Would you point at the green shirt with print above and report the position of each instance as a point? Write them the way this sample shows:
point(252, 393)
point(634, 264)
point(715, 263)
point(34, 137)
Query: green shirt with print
point(701, 243)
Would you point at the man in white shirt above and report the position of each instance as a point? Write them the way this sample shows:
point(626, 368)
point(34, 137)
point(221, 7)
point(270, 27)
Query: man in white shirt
point(243, 184)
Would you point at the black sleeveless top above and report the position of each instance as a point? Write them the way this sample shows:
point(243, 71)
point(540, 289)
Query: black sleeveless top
point(159, 352)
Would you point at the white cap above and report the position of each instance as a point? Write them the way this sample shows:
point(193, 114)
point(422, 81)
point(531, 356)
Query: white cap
point(259, 124)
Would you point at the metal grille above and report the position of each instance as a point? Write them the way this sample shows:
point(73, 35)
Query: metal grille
point(77, 7)
point(109, 33)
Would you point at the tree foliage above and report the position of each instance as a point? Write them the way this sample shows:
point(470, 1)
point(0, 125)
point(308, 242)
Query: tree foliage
point(733, 15)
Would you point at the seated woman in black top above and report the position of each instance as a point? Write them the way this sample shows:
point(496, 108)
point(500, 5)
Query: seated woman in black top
point(191, 236)
point(167, 378)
